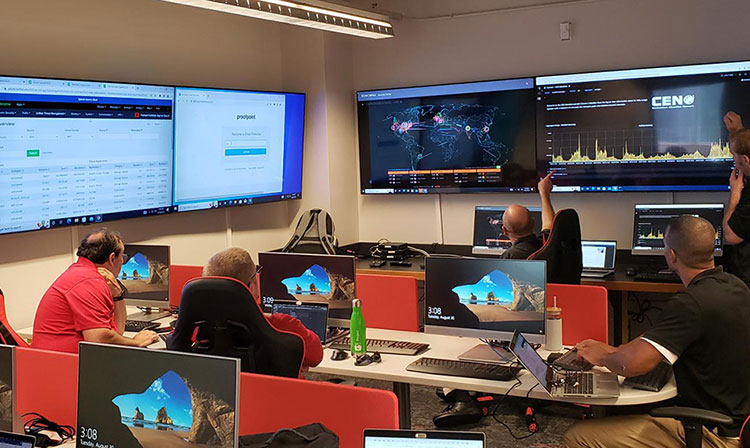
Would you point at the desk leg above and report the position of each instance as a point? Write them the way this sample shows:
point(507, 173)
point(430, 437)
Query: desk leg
point(619, 301)
point(404, 404)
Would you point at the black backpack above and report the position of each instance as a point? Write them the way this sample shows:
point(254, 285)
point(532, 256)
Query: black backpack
point(314, 234)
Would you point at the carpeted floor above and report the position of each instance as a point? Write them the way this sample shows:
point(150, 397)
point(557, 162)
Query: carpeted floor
point(553, 419)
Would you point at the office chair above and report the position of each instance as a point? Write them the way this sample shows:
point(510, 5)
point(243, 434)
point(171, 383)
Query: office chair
point(219, 316)
point(694, 419)
point(7, 335)
point(562, 249)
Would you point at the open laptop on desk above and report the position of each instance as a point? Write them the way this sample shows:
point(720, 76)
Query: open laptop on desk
point(564, 383)
point(11, 440)
point(314, 316)
point(405, 438)
point(598, 258)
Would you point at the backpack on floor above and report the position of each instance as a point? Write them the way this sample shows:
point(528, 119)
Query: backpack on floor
point(314, 234)
point(314, 435)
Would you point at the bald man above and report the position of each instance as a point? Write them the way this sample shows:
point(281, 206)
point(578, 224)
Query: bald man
point(518, 224)
point(703, 333)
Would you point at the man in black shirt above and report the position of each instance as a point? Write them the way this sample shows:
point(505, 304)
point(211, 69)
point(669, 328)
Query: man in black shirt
point(518, 224)
point(703, 332)
point(737, 214)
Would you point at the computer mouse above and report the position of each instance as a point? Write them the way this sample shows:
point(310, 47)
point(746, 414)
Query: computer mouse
point(339, 355)
point(630, 272)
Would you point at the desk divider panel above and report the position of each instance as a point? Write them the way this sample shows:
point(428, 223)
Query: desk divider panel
point(47, 383)
point(585, 311)
point(269, 403)
point(389, 302)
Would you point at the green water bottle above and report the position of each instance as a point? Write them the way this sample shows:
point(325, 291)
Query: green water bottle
point(357, 329)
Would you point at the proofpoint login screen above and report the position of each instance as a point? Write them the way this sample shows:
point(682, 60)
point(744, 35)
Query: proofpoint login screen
point(229, 144)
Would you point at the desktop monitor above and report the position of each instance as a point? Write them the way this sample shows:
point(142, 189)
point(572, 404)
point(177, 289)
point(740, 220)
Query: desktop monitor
point(452, 138)
point(488, 229)
point(650, 222)
point(485, 298)
point(145, 276)
point(7, 388)
point(132, 397)
point(78, 152)
point(646, 129)
point(598, 254)
point(314, 316)
point(235, 147)
point(309, 278)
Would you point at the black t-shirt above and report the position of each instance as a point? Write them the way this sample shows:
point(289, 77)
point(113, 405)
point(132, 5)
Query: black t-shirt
point(738, 256)
point(708, 326)
point(521, 249)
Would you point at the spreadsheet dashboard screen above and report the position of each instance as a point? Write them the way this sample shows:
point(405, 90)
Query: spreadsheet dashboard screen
point(81, 151)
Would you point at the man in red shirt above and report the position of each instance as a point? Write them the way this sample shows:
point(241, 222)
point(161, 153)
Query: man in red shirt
point(237, 263)
point(85, 302)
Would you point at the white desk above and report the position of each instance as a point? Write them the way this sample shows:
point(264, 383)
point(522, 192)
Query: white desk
point(393, 368)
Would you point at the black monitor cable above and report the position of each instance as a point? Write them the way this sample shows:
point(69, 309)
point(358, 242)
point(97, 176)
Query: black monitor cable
point(37, 423)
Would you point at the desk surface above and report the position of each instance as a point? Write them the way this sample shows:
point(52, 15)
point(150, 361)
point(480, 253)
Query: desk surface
point(393, 368)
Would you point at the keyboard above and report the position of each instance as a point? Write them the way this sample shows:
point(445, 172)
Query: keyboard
point(652, 381)
point(656, 277)
point(579, 383)
point(467, 369)
point(137, 325)
point(569, 361)
point(384, 346)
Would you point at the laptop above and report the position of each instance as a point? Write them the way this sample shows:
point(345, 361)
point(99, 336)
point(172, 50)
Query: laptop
point(12, 440)
point(564, 383)
point(488, 229)
point(405, 438)
point(598, 258)
point(314, 316)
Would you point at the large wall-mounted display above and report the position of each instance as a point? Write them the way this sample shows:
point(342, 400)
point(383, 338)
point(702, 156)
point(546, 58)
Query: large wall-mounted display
point(237, 147)
point(448, 138)
point(78, 152)
point(652, 129)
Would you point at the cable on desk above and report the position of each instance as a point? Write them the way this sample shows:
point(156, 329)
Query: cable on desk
point(491, 343)
point(35, 425)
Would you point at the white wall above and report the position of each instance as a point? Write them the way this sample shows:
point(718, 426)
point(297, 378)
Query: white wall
point(607, 34)
point(157, 42)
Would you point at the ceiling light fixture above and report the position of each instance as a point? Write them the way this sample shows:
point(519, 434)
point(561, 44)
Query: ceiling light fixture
point(299, 14)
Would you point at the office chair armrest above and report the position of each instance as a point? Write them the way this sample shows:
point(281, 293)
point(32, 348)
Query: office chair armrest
point(692, 415)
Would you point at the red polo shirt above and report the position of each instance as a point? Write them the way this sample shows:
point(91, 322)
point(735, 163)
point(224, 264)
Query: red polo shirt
point(78, 300)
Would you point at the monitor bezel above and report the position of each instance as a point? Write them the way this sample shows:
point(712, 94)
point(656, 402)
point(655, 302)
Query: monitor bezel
point(364, 189)
point(152, 303)
point(479, 333)
point(81, 344)
point(718, 252)
point(408, 434)
point(332, 321)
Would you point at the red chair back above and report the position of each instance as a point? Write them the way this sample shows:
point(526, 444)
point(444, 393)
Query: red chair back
point(47, 383)
point(178, 276)
point(7, 335)
point(389, 301)
point(585, 311)
point(269, 403)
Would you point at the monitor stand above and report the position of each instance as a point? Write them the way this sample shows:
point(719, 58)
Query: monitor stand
point(483, 353)
point(148, 315)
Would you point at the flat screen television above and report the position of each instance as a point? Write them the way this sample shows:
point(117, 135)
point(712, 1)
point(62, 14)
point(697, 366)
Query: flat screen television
point(235, 147)
point(648, 129)
point(452, 138)
point(77, 152)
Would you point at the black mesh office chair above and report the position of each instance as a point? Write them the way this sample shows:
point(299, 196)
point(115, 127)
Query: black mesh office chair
point(693, 420)
point(218, 316)
point(562, 250)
